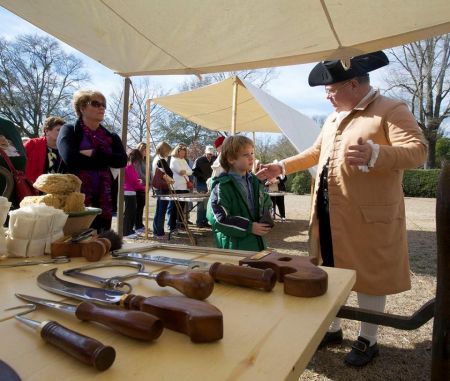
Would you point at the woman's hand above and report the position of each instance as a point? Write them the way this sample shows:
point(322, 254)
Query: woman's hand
point(260, 229)
point(182, 172)
point(87, 152)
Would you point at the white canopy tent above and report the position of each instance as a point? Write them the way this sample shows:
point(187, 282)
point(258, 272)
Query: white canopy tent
point(256, 111)
point(141, 37)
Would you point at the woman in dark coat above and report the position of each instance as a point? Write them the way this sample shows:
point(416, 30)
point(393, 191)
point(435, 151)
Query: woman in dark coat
point(90, 151)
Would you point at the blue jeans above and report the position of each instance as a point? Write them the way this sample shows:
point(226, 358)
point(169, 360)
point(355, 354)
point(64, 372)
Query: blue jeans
point(160, 213)
point(201, 206)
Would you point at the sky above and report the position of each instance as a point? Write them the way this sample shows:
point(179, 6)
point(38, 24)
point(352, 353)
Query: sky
point(290, 85)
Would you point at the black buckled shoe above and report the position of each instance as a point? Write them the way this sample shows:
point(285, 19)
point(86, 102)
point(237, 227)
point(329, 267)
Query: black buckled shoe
point(362, 353)
point(331, 338)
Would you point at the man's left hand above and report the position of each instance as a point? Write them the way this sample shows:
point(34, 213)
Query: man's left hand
point(359, 154)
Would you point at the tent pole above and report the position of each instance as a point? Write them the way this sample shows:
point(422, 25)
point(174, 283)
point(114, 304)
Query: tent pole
point(126, 96)
point(147, 167)
point(234, 107)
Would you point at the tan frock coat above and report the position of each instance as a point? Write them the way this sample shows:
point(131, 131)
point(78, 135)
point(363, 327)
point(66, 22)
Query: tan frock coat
point(367, 212)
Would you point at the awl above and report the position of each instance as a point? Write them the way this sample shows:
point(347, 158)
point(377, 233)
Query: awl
point(237, 275)
point(135, 324)
point(83, 348)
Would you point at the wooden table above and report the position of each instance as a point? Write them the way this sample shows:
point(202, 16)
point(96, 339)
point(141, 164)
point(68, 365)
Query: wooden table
point(267, 336)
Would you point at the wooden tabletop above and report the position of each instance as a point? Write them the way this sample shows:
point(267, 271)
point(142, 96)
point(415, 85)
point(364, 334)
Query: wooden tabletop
point(267, 336)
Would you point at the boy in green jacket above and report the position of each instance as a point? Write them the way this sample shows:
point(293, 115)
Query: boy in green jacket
point(238, 204)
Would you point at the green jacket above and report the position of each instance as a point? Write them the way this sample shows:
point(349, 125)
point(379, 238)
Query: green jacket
point(230, 217)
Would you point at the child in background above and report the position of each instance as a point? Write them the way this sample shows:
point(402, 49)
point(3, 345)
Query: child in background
point(132, 185)
point(238, 204)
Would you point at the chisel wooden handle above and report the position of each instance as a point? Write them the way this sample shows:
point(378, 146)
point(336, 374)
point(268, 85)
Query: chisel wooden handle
point(201, 321)
point(84, 348)
point(136, 324)
point(264, 279)
point(196, 285)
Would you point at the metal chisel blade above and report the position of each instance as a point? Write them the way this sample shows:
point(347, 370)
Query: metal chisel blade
point(65, 307)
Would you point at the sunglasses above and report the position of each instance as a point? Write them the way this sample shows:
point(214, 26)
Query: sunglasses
point(97, 104)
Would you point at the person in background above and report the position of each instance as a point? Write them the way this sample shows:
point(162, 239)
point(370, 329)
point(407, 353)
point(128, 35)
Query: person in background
point(181, 172)
point(139, 165)
point(358, 214)
point(160, 162)
point(278, 185)
point(89, 150)
point(216, 167)
point(238, 201)
point(202, 171)
point(42, 153)
point(132, 185)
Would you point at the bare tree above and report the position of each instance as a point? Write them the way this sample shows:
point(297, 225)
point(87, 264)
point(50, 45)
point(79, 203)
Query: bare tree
point(37, 79)
point(420, 75)
point(141, 90)
point(259, 78)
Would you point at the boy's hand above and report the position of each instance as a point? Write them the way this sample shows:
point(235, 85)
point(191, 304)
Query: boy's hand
point(260, 229)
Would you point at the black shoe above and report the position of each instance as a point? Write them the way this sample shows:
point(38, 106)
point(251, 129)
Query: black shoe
point(362, 353)
point(331, 338)
point(204, 225)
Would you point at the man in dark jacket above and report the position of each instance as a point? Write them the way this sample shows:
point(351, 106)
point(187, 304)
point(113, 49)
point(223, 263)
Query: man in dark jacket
point(202, 172)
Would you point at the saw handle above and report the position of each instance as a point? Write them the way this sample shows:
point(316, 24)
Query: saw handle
point(201, 321)
point(135, 324)
point(195, 285)
point(264, 279)
point(84, 348)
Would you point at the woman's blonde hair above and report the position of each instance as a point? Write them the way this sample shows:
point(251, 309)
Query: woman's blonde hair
point(176, 151)
point(81, 99)
point(141, 146)
point(163, 149)
point(230, 149)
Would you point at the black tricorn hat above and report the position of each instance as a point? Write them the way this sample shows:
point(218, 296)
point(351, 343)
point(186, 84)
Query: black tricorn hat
point(329, 72)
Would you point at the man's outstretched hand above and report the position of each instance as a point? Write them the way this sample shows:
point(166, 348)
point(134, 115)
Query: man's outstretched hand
point(269, 171)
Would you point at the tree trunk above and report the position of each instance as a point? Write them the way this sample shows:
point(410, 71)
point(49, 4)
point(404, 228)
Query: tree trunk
point(431, 156)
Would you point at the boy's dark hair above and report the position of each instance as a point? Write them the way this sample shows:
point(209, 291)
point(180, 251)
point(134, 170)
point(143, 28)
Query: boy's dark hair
point(51, 122)
point(230, 149)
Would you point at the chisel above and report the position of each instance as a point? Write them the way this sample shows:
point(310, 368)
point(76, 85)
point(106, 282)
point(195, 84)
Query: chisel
point(135, 324)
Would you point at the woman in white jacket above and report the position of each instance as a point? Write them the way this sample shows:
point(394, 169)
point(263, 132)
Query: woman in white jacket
point(181, 172)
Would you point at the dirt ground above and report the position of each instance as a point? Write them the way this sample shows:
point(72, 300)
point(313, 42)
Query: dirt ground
point(404, 355)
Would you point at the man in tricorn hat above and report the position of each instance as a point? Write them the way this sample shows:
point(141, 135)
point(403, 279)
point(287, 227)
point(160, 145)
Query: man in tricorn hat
point(358, 218)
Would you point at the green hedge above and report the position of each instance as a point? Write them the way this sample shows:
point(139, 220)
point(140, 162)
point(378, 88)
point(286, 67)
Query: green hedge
point(420, 182)
point(416, 182)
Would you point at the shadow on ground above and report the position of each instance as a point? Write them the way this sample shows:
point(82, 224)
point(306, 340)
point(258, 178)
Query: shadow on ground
point(393, 363)
point(423, 252)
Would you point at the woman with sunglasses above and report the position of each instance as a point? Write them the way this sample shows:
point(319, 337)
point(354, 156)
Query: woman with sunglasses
point(89, 150)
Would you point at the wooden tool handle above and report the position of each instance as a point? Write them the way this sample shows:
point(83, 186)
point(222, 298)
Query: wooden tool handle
point(196, 285)
point(136, 324)
point(201, 321)
point(243, 276)
point(84, 348)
